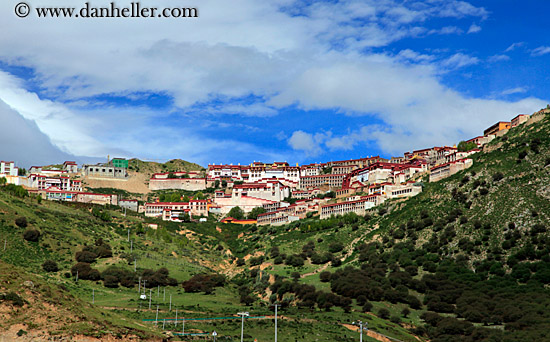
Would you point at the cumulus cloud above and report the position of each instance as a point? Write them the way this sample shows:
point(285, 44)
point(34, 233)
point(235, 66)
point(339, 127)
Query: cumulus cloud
point(246, 58)
point(416, 109)
point(23, 142)
point(308, 143)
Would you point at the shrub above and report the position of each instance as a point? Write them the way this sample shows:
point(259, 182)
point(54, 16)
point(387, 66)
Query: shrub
point(295, 261)
point(483, 191)
point(31, 235)
point(336, 262)
point(82, 269)
point(497, 176)
point(325, 276)
point(13, 297)
point(203, 283)
point(335, 247)
point(50, 266)
point(384, 313)
point(367, 307)
point(110, 281)
point(21, 222)
point(86, 256)
point(319, 259)
point(395, 319)
point(129, 282)
point(255, 261)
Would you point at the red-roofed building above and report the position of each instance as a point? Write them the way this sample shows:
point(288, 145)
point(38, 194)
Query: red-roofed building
point(358, 206)
point(55, 194)
point(70, 167)
point(64, 183)
point(194, 207)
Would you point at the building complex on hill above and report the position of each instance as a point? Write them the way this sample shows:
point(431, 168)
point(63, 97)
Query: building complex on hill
point(285, 192)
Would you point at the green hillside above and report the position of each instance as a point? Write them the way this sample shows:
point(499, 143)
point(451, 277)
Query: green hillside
point(466, 260)
point(170, 166)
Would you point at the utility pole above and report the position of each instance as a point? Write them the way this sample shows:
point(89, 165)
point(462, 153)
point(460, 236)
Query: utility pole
point(242, 314)
point(5, 241)
point(360, 324)
point(214, 334)
point(76, 277)
point(93, 296)
point(170, 303)
point(139, 285)
point(128, 234)
point(183, 326)
point(157, 318)
point(175, 325)
point(149, 299)
point(276, 306)
point(135, 265)
point(131, 246)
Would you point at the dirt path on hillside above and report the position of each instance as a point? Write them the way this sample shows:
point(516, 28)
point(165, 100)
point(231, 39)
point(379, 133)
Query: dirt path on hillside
point(373, 334)
point(319, 270)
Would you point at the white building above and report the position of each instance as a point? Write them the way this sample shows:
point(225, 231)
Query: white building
point(7, 168)
point(63, 183)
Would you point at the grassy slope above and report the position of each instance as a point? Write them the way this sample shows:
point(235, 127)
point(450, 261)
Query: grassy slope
point(154, 167)
point(522, 191)
point(51, 309)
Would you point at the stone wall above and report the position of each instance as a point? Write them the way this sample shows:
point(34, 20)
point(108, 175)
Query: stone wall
point(189, 184)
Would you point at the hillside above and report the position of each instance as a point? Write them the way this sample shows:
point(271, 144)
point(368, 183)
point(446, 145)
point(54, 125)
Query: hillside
point(32, 309)
point(468, 259)
point(149, 168)
point(140, 172)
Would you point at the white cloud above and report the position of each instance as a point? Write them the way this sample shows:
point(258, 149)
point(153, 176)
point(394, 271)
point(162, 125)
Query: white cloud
point(514, 46)
point(460, 9)
point(541, 50)
point(308, 143)
point(280, 52)
point(22, 141)
point(517, 90)
point(414, 56)
point(416, 109)
point(459, 60)
point(447, 30)
point(303, 141)
point(498, 58)
point(474, 28)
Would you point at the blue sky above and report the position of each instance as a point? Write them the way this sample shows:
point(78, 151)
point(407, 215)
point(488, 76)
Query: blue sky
point(298, 81)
